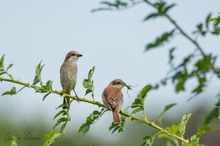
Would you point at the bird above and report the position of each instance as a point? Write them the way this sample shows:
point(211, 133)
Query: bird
point(112, 98)
point(68, 75)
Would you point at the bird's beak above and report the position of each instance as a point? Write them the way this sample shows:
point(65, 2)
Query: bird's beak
point(79, 55)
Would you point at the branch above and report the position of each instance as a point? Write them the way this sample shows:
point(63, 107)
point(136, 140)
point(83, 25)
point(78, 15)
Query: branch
point(130, 116)
point(172, 21)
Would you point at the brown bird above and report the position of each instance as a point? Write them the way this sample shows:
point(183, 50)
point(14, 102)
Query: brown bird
point(113, 98)
point(68, 75)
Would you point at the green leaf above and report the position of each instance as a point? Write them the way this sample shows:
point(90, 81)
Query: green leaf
point(38, 70)
point(171, 56)
point(148, 140)
point(200, 30)
point(207, 21)
point(168, 143)
point(166, 108)
point(88, 83)
point(46, 96)
point(152, 16)
point(116, 4)
point(169, 106)
point(50, 137)
point(10, 65)
point(63, 128)
point(62, 119)
point(40, 89)
point(2, 62)
point(48, 86)
point(166, 9)
point(117, 127)
point(10, 76)
point(84, 128)
point(178, 129)
point(144, 91)
point(138, 104)
point(91, 119)
point(183, 123)
point(13, 91)
point(136, 110)
point(62, 112)
point(181, 79)
point(201, 85)
point(214, 114)
point(205, 64)
point(160, 40)
point(194, 140)
point(14, 141)
point(61, 105)
point(3, 72)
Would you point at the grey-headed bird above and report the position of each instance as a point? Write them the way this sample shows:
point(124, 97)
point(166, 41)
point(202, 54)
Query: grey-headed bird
point(68, 75)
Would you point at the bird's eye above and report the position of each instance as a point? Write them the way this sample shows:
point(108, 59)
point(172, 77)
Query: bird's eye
point(73, 54)
point(118, 82)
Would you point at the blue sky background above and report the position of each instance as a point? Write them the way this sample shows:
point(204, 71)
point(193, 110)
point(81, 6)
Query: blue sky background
point(31, 31)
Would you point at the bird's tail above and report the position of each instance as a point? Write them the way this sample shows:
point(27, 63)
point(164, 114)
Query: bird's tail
point(66, 102)
point(116, 117)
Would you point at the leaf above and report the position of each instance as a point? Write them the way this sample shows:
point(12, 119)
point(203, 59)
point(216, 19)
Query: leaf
point(10, 65)
point(14, 141)
point(194, 140)
point(62, 119)
point(38, 70)
point(152, 16)
point(178, 129)
point(2, 72)
point(84, 128)
point(138, 104)
point(171, 56)
point(160, 40)
point(214, 114)
point(181, 79)
point(2, 62)
point(13, 91)
point(62, 112)
point(117, 127)
point(169, 106)
point(205, 64)
point(91, 72)
point(201, 85)
point(207, 21)
point(91, 119)
point(136, 110)
point(183, 123)
point(169, 7)
point(50, 137)
point(166, 108)
point(48, 86)
point(40, 89)
point(88, 83)
point(200, 30)
point(148, 140)
point(63, 128)
point(46, 96)
point(116, 4)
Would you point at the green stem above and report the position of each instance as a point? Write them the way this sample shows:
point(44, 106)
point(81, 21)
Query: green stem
point(153, 125)
point(132, 117)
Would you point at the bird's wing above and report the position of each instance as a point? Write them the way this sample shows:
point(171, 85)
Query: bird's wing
point(113, 96)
